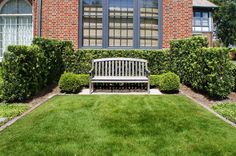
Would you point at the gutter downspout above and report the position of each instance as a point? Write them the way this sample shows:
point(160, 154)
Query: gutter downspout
point(39, 18)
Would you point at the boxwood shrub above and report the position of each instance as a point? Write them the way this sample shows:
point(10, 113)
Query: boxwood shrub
point(169, 82)
point(154, 80)
point(204, 69)
point(80, 61)
point(73, 83)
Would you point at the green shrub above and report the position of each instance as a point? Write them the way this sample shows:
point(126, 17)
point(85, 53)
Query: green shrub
point(204, 69)
point(53, 51)
point(28, 69)
point(154, 80)
point(23, 72)
point(70, 83)
point(169, 82)
point(84, 79)
point(80, 62)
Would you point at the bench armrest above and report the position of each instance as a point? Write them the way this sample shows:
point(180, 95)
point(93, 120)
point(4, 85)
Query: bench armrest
point(91, 72)
point(147, 71)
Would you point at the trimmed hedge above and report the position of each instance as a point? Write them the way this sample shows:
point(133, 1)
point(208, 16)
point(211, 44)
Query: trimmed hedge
point(73, 83)
point(204, 69)
point(169, 82)
point(23, 72)
point(154, 80)
point(28, 69)
point(80, 62)
point(53, 50)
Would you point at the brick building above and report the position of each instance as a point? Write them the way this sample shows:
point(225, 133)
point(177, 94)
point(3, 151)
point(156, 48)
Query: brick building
point(133, 24)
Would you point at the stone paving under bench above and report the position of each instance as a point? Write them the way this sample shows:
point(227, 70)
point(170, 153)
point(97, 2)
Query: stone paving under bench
point(152, 92)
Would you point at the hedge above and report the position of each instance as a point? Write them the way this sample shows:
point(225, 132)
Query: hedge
point(80, 61)
point(207, 70)
point(73, 83)
point(53, 50)
point(169, 82)
point(28, 69)
point(23, 72)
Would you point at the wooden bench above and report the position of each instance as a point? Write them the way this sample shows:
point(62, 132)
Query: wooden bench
point(119, 70)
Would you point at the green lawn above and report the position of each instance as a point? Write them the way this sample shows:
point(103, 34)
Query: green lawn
point(228, 110)
point(11, 110)
point(119, 125)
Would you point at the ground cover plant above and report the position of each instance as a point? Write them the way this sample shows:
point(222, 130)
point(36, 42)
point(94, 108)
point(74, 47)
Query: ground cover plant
point(228, 110)
point(119, 125)
point(10, 111)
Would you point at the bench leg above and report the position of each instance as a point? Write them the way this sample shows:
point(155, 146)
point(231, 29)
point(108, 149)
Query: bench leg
point(90, 88)
point(148, 87)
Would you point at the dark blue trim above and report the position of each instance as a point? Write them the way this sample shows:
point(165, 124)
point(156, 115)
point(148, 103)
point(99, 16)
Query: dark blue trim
point(80, 24)
point(160, 24)
point(39, 18)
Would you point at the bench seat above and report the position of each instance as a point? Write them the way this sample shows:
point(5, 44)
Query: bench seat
point(119, 79)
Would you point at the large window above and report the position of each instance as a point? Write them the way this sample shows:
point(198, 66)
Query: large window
point(119, 24)
point(201, 21)
point(15, 24)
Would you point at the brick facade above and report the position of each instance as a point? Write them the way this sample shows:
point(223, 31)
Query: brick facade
point(177, 20)
point(60, 19)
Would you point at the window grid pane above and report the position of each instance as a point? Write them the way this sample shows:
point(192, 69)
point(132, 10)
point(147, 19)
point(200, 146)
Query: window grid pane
point(121, 23)
point(92, 23)
point(149, 23)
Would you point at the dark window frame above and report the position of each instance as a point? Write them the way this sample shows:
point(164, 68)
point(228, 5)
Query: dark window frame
point(201, 19)
point(136, 28)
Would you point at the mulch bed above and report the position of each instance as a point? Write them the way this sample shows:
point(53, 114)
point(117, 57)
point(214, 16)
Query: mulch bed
point(203, 98)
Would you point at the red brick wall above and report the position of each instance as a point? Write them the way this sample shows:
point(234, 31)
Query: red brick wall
point(177, 20)
point(59, 19)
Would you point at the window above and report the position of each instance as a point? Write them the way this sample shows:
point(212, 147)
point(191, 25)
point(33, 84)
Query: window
point(92, 25)
point(148, 23)
point(15, 24)
point(119, 24)
point(201, 21)
point(121, 14)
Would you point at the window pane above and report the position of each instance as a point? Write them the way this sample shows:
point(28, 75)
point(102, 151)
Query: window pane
point(92, 23)
point(121, 23)
point(149, 23)
point(15, 30)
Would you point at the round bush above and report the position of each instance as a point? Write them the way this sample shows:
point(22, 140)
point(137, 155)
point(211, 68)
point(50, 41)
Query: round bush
point(169, 82)
point(154, 80)
point(70, 83)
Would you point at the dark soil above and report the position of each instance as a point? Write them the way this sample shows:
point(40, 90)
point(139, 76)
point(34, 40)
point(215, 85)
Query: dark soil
point(201, 98)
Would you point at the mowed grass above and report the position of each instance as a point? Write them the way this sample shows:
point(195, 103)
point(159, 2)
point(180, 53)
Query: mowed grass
point(119, 125)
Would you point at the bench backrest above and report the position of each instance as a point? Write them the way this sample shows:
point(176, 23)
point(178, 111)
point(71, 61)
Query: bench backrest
point(120, 67)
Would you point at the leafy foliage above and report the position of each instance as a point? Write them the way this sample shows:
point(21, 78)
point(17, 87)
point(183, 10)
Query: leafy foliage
point(169, 82)
point(73, 83)
point(80, 62)
point(28, 69)
point(154, 80)
point(225, 20)
point(53, 51)
point(204, 69)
